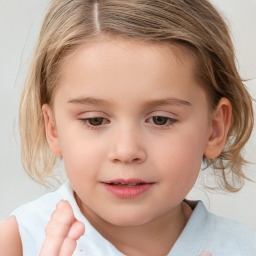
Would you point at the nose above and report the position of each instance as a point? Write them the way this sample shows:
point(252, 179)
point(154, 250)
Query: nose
point(127, 147)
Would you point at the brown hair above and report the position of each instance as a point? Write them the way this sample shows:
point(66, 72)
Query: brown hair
point(196, 25)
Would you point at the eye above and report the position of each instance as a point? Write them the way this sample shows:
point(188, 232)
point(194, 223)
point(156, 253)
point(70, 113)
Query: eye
point(162, 120)
point(94, 121)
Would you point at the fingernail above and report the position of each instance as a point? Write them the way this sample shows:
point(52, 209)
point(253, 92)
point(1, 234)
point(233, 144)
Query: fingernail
point(205, 254)
point(60, 204)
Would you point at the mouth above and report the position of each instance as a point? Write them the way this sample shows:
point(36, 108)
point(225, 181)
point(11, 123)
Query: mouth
point(127, 183)
point(120, 184)
point(127, 189)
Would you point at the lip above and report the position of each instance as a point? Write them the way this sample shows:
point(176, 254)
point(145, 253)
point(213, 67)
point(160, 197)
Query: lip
point(127, 189)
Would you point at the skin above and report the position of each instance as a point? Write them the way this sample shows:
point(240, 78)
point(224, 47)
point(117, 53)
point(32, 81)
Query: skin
point(62, 232)
point(127, 85)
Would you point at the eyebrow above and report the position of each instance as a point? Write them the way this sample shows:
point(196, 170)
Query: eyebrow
point(168, 101)
point(88, 101)
point(151, 103)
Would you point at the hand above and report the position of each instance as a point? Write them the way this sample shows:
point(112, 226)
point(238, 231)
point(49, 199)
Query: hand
point(62, 231)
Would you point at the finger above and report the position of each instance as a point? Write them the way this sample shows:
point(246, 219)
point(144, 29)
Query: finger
point(69, 244)
point(51, 246)
point(61, 220)
point(77, 230)
point(58, 229)
point(68, 247)
point(205, 254)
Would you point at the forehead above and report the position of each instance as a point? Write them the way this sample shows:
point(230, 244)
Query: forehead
point(102, 43)
point(110, 66)
point(96, 54)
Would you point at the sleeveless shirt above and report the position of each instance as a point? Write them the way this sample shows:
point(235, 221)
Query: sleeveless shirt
point(204, 232)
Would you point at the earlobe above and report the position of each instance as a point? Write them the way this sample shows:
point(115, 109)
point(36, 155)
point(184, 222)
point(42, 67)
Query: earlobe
point(220, 123)
point(51, 130)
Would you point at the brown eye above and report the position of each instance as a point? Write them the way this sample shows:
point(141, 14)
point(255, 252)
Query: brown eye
point(96, 121)
point(164, 121)
point(160, 120)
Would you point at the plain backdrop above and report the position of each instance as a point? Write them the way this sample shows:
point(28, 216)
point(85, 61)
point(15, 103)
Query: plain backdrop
point(20, 22)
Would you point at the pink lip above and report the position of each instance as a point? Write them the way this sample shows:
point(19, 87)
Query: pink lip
point(127, 189)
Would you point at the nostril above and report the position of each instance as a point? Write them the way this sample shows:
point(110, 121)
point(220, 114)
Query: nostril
point(136, 160)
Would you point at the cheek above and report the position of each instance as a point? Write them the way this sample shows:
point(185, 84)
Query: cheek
point(184, 148)
point(82, 157)
point(180, 160)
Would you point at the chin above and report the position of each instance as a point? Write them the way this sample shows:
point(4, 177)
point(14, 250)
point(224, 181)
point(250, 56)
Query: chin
point(126, 220)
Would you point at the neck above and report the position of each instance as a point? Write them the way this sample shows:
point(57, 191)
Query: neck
point(156, 237)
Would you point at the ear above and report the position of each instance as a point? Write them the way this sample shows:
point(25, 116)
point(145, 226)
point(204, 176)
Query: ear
point(220, 123)
point(51, 130)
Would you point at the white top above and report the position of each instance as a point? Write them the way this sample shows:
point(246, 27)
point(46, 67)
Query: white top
point(203, 232)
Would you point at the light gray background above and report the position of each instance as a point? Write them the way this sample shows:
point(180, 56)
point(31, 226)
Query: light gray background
point(19, 27)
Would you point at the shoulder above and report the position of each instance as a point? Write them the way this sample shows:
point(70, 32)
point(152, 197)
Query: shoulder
point(232, 235)
point(227, 229)
point(40, 208)
point(35, 214)
point(206, 231)
point(10, 241)
point(33, 217)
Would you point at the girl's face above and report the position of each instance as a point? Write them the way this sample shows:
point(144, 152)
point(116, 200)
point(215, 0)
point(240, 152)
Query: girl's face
point(132, 125)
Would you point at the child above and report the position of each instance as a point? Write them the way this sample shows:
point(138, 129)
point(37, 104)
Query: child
point(132, 96)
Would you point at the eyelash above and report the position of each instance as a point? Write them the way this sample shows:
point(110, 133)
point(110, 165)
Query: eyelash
point(85, 121)
point(168, 122)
